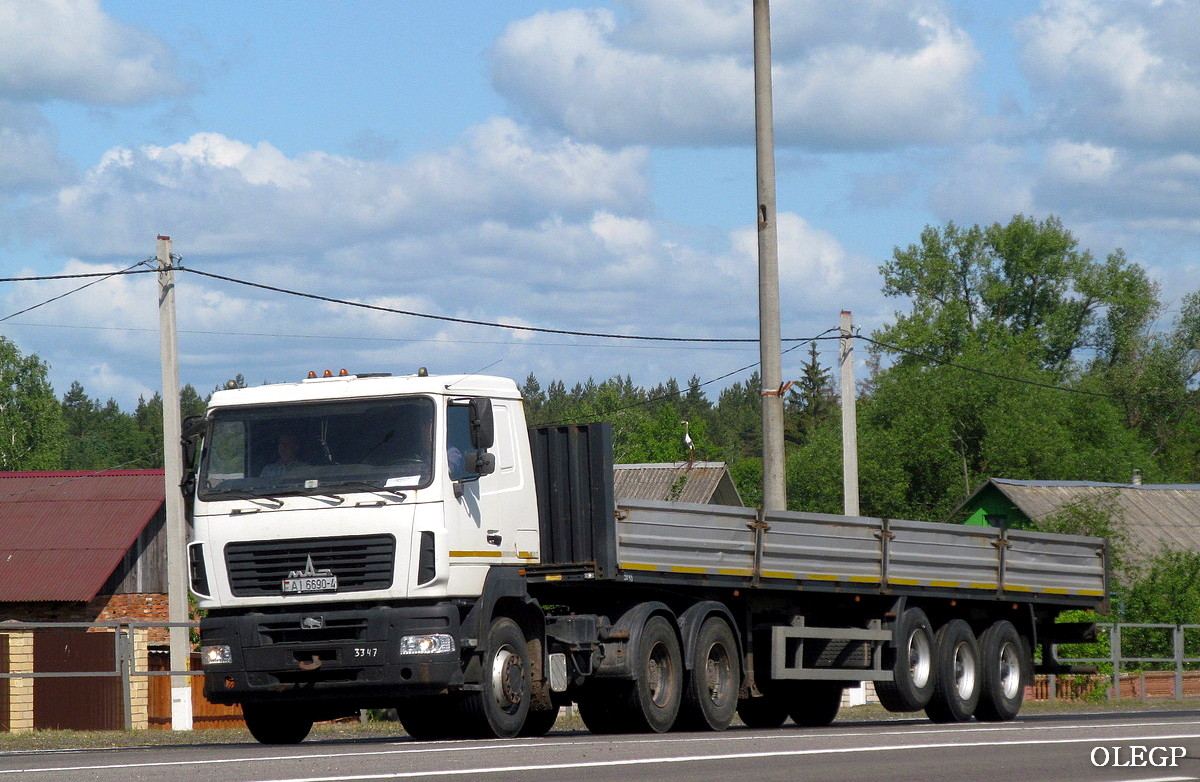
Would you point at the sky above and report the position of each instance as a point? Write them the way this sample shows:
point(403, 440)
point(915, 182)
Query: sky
point(581, 166)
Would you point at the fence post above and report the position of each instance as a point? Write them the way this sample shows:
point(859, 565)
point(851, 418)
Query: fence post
point(1177, 636)
point(1114, 650)
point(1051, 687)
point(125, 665)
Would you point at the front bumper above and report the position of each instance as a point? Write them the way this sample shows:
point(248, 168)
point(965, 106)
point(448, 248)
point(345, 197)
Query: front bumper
point(332, 654)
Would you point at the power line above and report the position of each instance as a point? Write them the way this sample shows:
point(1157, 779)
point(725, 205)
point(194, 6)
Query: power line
point(467, 321)
point(68, 293)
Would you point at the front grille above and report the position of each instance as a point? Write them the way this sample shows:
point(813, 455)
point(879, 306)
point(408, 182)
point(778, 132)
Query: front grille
point(360, 563)
point(272, 631)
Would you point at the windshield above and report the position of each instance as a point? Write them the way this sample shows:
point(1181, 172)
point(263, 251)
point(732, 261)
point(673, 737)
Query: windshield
point(311, 448)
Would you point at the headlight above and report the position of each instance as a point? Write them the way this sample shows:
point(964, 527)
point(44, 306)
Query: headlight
point(434, 643)
point(216, 655)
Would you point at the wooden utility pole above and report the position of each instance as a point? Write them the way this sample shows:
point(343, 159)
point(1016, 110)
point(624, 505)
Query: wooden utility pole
point(177, 600)
point(774, 483)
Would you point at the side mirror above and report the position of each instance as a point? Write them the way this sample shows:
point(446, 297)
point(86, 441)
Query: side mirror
point(483, 427)
point(192, 427)
point(481, 462)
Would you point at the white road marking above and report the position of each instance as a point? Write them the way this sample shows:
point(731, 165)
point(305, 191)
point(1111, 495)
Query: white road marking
point(593, 764)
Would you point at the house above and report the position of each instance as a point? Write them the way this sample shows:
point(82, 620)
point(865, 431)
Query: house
point(1154, 516)
point(83, 546)
point(706, 483)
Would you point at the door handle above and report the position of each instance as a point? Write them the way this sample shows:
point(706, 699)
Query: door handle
point(493, 537)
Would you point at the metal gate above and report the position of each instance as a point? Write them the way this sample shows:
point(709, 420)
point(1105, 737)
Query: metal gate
point(76, 702)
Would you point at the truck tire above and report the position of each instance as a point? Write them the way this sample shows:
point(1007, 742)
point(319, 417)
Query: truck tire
point(911, 660)
point(272, 723)
point(710, 696)
point(1001, 690)
point(501, 704)
point(956, 673)
point(763, 712)
point(652, 703)
point(430, 717)
point(814, 704)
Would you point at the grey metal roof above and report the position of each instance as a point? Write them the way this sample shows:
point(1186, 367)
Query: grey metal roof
point(1155, 516)
point(702, 482)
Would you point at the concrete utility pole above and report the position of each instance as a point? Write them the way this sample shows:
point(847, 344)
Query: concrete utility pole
point(774, 484)
point(177, 601)
point(849, 420)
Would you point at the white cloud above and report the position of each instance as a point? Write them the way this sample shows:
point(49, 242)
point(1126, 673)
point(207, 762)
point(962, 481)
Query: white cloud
point(1083, 164)
point(28, 157)
point(72, 50)
point(983, 183)
point(843, 79)
point(227, 196)
point(1122, 71)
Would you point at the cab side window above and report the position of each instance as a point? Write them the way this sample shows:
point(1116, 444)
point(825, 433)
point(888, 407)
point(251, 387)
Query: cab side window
point(458, 440)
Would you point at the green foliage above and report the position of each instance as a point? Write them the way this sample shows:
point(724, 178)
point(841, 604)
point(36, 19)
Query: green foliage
point(32, 433)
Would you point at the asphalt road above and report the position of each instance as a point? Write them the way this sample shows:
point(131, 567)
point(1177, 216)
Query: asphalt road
point(1141, 746)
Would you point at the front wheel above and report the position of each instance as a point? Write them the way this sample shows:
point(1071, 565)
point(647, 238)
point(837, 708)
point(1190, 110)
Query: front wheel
point(271, 723)
point(502, 703)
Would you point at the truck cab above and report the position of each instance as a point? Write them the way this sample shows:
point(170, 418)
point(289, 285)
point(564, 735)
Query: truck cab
point(343, 525)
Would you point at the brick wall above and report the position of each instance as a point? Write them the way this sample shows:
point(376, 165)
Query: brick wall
point(20, 692)
point(104, 608)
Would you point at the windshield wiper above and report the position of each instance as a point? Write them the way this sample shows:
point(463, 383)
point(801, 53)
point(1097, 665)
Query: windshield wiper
point(368, 486)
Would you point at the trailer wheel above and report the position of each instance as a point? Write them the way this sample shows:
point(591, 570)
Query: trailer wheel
point(271, 723)
point(911, 663)
point(539, 722)
point(710, 695)
point(814, 704)
point(653, 701)
point(430, 717)
point(956, 676)
point(1001, 690)
point(764, 712)
point(500, 706)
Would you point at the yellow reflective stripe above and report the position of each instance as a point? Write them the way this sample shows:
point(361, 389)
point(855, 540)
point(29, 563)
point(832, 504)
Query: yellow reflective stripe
point(982, 586)
point(1012, 588)
point(904, 581)
point(682, 569)
point(637, 566)
point(951, 584)
point(864, 579)
point(733, 571)
point(488, 554)
point(777, 574)
point(554, 577)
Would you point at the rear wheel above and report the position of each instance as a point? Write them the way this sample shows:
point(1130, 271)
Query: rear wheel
point(1002, 690)
point(271, 723)
point(911, 663)
point(710, 695)
point(653, 701)
point(956, 676)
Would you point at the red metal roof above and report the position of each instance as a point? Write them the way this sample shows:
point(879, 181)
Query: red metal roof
point(62, 534)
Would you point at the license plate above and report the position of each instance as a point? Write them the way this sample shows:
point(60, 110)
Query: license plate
point(310, 584)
